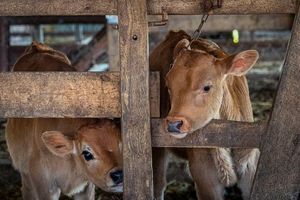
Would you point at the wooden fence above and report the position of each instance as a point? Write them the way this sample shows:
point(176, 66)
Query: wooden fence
point(85, 94)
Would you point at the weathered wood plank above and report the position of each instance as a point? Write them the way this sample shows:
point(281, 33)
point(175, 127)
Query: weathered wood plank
point(224, 23)
point(57, 7)
point(278, 175)
point(217, 134)
point(113, 48)
point(185, 22)
point(65, 94)
point(4, 41)
point(194, 7)
point(136, 136)
point(109, 7)
point(28, 33)
point(97, 19)
point(154, 92)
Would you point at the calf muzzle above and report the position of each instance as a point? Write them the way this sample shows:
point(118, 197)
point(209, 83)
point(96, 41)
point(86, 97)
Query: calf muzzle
point(177, 126)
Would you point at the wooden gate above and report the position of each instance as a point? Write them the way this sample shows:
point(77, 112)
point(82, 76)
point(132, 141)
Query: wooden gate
point(68, 94)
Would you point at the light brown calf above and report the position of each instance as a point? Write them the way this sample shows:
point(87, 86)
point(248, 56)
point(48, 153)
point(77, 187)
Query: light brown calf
point(64, 156)
point(206, 83)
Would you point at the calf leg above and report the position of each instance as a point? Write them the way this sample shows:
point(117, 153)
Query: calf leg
point(87, 194)
point(45, 189)
point(246, 163)
point(160, 163)
point(28, 192)
point(204, 173)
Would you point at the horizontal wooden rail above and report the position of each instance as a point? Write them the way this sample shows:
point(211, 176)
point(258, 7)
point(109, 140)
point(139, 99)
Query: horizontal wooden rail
point(227, 23)
point(57, 7)
point(218, 133)
point(96, 19)
point(193, 7)
point(66, 94)
point(109, 7)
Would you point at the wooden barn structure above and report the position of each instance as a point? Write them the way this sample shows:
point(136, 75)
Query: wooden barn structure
point(127, 94)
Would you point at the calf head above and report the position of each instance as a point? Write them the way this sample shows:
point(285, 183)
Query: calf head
point(196, 83)
point(97, 151)
point(40, 57)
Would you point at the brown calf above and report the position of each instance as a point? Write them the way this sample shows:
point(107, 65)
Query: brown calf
point(206, 83)
point(63, 155)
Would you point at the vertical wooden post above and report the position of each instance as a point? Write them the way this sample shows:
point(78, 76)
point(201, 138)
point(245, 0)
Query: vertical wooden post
point(137, 156)
point(113, 50)
point(278, 172)
point(4, 44)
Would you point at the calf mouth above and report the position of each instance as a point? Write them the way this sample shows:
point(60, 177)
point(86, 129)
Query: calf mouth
point(117, 188)
point(178, 135)
point(177, 126)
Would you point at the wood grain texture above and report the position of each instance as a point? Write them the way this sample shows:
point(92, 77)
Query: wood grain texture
point(221, 23)
point(154, 92)
point(217, 134)
point(65, 94)
point(57, 7)
point(194, 7)
point(136, 136)
point(4, 43)
point(278, 175)
point(96, 19)
point(109, 7)
point(113, 48)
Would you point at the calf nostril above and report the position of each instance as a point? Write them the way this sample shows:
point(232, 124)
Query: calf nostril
point(117, 176)
point(175, 126)
point(179, 124)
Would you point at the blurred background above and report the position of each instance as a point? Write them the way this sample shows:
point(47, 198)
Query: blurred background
point(91, 43)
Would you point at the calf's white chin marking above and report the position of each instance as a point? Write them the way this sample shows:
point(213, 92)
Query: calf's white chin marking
point(178, 136)
point(118, 188)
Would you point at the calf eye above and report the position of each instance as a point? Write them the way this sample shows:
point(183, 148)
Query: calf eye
point(87, 155)
point(207, 88)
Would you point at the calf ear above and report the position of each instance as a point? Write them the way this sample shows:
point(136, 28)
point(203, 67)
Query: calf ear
point(241, 63)
point(182, 44)
point(57, 143)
